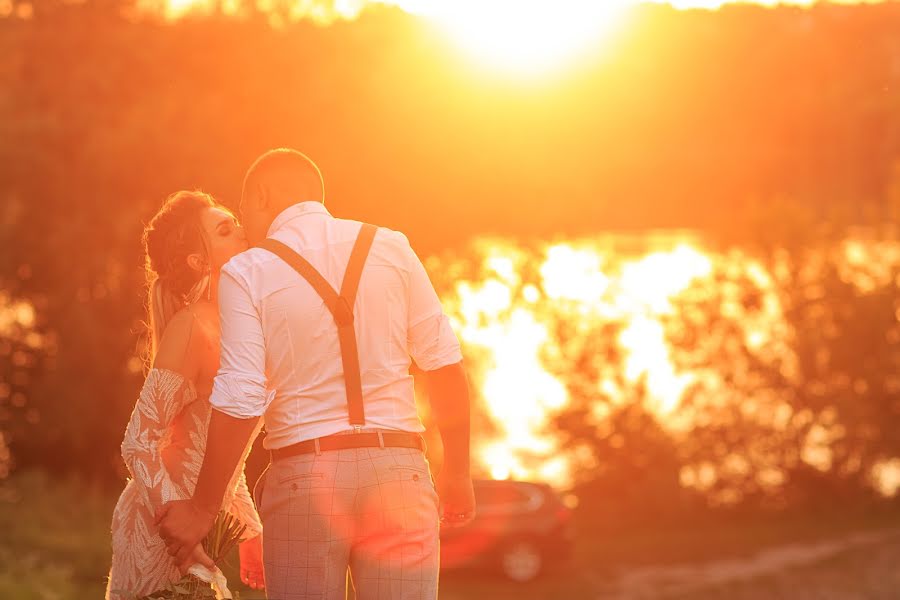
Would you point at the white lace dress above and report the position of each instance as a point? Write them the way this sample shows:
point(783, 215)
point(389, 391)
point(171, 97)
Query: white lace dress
point(163, 449)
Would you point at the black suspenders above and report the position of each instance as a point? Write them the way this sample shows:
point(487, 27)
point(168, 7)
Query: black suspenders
point(340, 306)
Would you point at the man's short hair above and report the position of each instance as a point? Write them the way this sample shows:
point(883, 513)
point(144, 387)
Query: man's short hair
point(288, 168)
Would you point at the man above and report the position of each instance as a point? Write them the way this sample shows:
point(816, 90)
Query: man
point(320, 323)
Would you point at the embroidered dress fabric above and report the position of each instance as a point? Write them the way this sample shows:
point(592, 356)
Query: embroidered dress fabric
point(163, 449)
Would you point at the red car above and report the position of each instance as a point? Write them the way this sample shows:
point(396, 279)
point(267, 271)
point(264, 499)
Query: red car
point(520, 529)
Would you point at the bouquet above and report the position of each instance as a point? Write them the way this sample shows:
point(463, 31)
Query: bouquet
point(201, 583)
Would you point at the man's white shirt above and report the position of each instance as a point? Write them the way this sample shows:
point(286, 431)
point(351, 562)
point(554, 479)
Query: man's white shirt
point(280, 355)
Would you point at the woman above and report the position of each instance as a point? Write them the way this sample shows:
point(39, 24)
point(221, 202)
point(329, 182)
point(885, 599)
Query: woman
point(186, 244)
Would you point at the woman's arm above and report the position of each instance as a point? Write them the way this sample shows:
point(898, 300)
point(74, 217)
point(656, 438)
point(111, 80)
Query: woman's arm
point(252, 571)
point(166, 391)
point(243, 508)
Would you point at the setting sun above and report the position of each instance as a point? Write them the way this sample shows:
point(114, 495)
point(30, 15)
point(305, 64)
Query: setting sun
point(526, 37)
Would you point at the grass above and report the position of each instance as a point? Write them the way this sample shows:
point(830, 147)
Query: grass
point(55, 545)
point(55, 541)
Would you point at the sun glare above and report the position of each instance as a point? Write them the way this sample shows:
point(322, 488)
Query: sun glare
point(174, 9)
point(525, 36)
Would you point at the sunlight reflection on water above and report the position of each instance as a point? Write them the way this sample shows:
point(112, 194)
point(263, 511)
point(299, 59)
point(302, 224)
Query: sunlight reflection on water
point(547, 324)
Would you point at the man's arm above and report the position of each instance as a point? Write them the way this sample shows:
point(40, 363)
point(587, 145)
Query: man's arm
point(238, 399)
point(183, 524)
point(448, 391)
point(226, 441)
point(435, 348)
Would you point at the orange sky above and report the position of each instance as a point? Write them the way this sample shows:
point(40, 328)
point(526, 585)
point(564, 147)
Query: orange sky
point(524, 37)
point(326, 9)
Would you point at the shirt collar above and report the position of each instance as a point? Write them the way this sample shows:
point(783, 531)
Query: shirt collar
point(310, 207)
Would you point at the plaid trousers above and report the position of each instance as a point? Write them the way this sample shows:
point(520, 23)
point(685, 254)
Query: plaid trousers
point(373, 511)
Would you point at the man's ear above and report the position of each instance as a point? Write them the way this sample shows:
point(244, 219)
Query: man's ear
point(196, 262)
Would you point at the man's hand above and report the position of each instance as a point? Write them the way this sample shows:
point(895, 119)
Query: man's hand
point(252, 572)
point(182, 525)
point(457, 498)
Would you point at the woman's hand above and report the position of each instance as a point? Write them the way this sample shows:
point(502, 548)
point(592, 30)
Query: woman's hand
point(252, 572)
point(182, 525)
point(198, 555)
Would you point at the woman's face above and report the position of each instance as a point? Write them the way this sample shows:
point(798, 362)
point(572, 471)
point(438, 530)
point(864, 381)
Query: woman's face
point(226, 238)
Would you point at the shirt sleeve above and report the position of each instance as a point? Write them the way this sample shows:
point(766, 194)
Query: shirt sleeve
point(430, 339)
point(239, 389)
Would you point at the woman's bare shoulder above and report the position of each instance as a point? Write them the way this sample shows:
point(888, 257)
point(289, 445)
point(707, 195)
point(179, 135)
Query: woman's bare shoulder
point(206, 317)
point(205, 309)
point(180, 344)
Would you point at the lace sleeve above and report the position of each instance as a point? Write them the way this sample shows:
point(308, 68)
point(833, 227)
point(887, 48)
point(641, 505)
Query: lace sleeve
point(243, 508)
point(164, 394)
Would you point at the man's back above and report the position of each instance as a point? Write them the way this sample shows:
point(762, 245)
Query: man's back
point(397, 317)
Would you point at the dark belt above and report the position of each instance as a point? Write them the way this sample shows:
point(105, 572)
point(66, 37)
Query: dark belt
point(353, 440)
